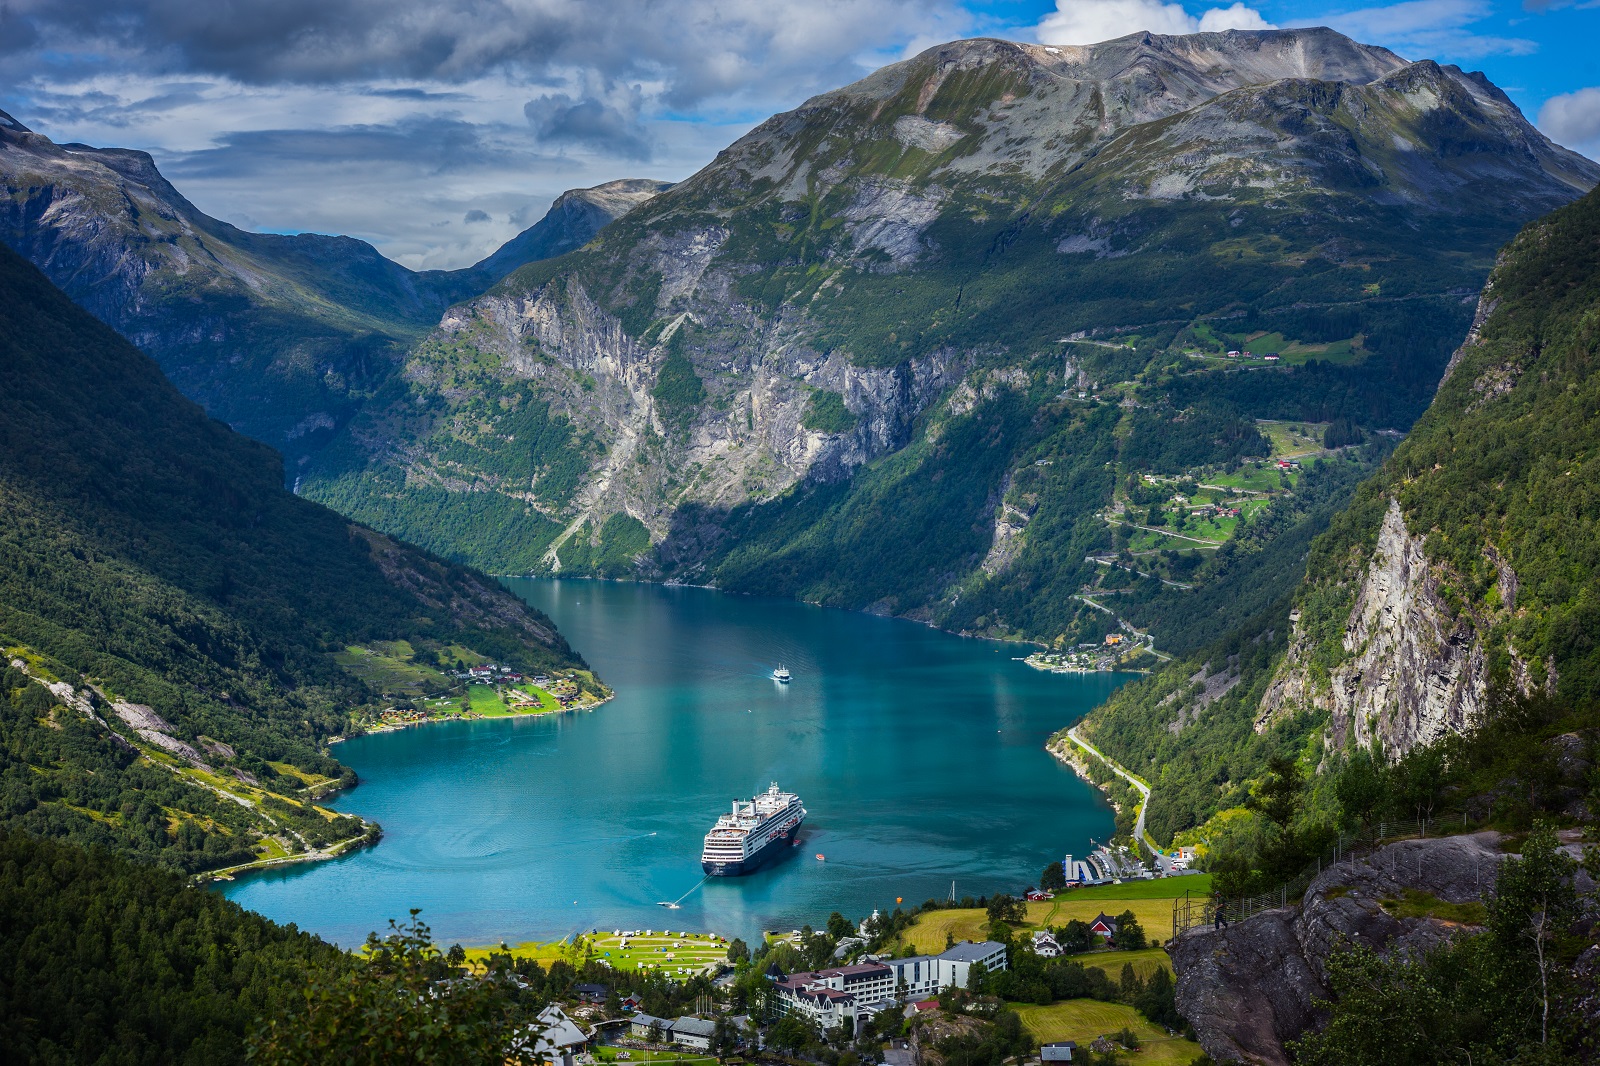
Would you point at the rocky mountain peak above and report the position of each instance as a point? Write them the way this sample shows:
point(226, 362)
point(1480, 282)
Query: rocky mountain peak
point(572, 221)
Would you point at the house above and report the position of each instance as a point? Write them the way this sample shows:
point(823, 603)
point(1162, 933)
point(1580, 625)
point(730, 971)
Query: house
point(556, 1037)
point(1060, 1051)
point(632, 1003)
point(693, 1032)
point(1233, 354)
point(639, 1027)
point(1104, 926)
point(591, 993)
point(1037, 896)
point(1045, 945)
point(1114, 638)
point(1271, 357)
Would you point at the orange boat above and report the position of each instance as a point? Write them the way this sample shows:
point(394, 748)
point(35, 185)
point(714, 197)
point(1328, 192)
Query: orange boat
point(820, 858)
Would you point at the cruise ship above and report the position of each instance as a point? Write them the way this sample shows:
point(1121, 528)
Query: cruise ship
point(756, 832)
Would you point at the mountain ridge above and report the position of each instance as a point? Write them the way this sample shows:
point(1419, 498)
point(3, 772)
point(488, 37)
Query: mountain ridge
point(283, 336)
point(784, 344)
point(170, 614)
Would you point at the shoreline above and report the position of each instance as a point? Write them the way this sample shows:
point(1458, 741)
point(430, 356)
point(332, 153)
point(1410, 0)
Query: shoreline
point(334, 851)
point(395, 727)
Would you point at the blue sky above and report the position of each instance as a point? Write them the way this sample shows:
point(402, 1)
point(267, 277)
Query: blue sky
point(439, 128)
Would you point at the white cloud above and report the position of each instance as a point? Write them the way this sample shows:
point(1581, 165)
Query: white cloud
point(1427, 29)
point(1573, 119)
point(392, 120)
point(1093, 21)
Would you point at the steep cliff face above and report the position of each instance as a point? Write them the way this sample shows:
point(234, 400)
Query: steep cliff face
point(910, 294)
point(1414, 669)
point(283, 337)
point(1463, 568)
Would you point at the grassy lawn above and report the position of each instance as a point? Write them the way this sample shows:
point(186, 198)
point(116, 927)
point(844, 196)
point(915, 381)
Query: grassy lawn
point(1248, 477)
point(269, 848)
point(545, 952)
point(604, 1053)
point(389, 666)
point(661, 951)
point(1144, 962)
point(1085, 1019)
point(485, 700)
point(1150, 902)
point(691, 952)
point(545, 701)
point(1144, 540)
point(1292, 438)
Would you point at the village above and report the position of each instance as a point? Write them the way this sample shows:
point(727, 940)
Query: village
point(909, 988)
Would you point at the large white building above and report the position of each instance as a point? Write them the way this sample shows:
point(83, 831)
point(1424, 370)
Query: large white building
point(928, 975)
point(829, 997)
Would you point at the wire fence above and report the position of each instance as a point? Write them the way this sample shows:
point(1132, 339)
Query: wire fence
point(1191, 912)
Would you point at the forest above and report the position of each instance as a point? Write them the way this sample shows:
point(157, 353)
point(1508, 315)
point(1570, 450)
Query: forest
point(154, 554)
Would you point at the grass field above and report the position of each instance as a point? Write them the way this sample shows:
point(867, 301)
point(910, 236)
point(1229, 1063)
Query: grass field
point(485, 701)
point(545, 952)
point(1085, 1019)
point(1292, 438)
point(1251, 477)
point(605, 1053)
point(676, 956)
point(390, 667)
point(1150, 902)
point(1144, 962)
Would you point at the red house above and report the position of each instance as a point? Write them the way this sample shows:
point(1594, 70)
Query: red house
point(1104, 926)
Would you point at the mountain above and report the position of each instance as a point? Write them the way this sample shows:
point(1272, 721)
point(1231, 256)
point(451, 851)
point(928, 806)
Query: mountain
point(1460, 579)
point(572, 221)
point(923, 345)
point(174, 620)
point(280, 336)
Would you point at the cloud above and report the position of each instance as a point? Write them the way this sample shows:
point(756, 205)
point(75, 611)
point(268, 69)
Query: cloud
point(1573, 119)
point(475, 216)
point(605, 120)
point(1093, 21)
point(694, 50)
point(390, 119)
point(1435, 29)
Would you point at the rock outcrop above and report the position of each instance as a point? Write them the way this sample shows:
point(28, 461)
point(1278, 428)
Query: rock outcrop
point(1250, 988)
point(1415, 668)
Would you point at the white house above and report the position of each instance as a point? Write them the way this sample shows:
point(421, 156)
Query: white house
point(554, 1038)
point(1045, 946)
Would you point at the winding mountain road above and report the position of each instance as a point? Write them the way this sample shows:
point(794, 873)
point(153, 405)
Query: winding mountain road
point(1139, 832)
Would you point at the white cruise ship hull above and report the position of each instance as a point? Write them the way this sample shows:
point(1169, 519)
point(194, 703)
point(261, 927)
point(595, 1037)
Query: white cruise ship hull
point(775, 849)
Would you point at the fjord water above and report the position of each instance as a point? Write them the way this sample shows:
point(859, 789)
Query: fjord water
point(919, 755)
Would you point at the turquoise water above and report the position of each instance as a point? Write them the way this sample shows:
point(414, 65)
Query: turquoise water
point(919, 755)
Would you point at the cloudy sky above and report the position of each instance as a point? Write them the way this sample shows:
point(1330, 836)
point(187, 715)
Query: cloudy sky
point(436, 129)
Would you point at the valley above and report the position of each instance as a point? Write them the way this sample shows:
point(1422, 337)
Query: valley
point(1174, 452)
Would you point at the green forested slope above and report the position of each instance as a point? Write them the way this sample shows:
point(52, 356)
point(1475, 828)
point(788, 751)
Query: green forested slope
point(1501, 470)
point(108, 962)
point(150, 555)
